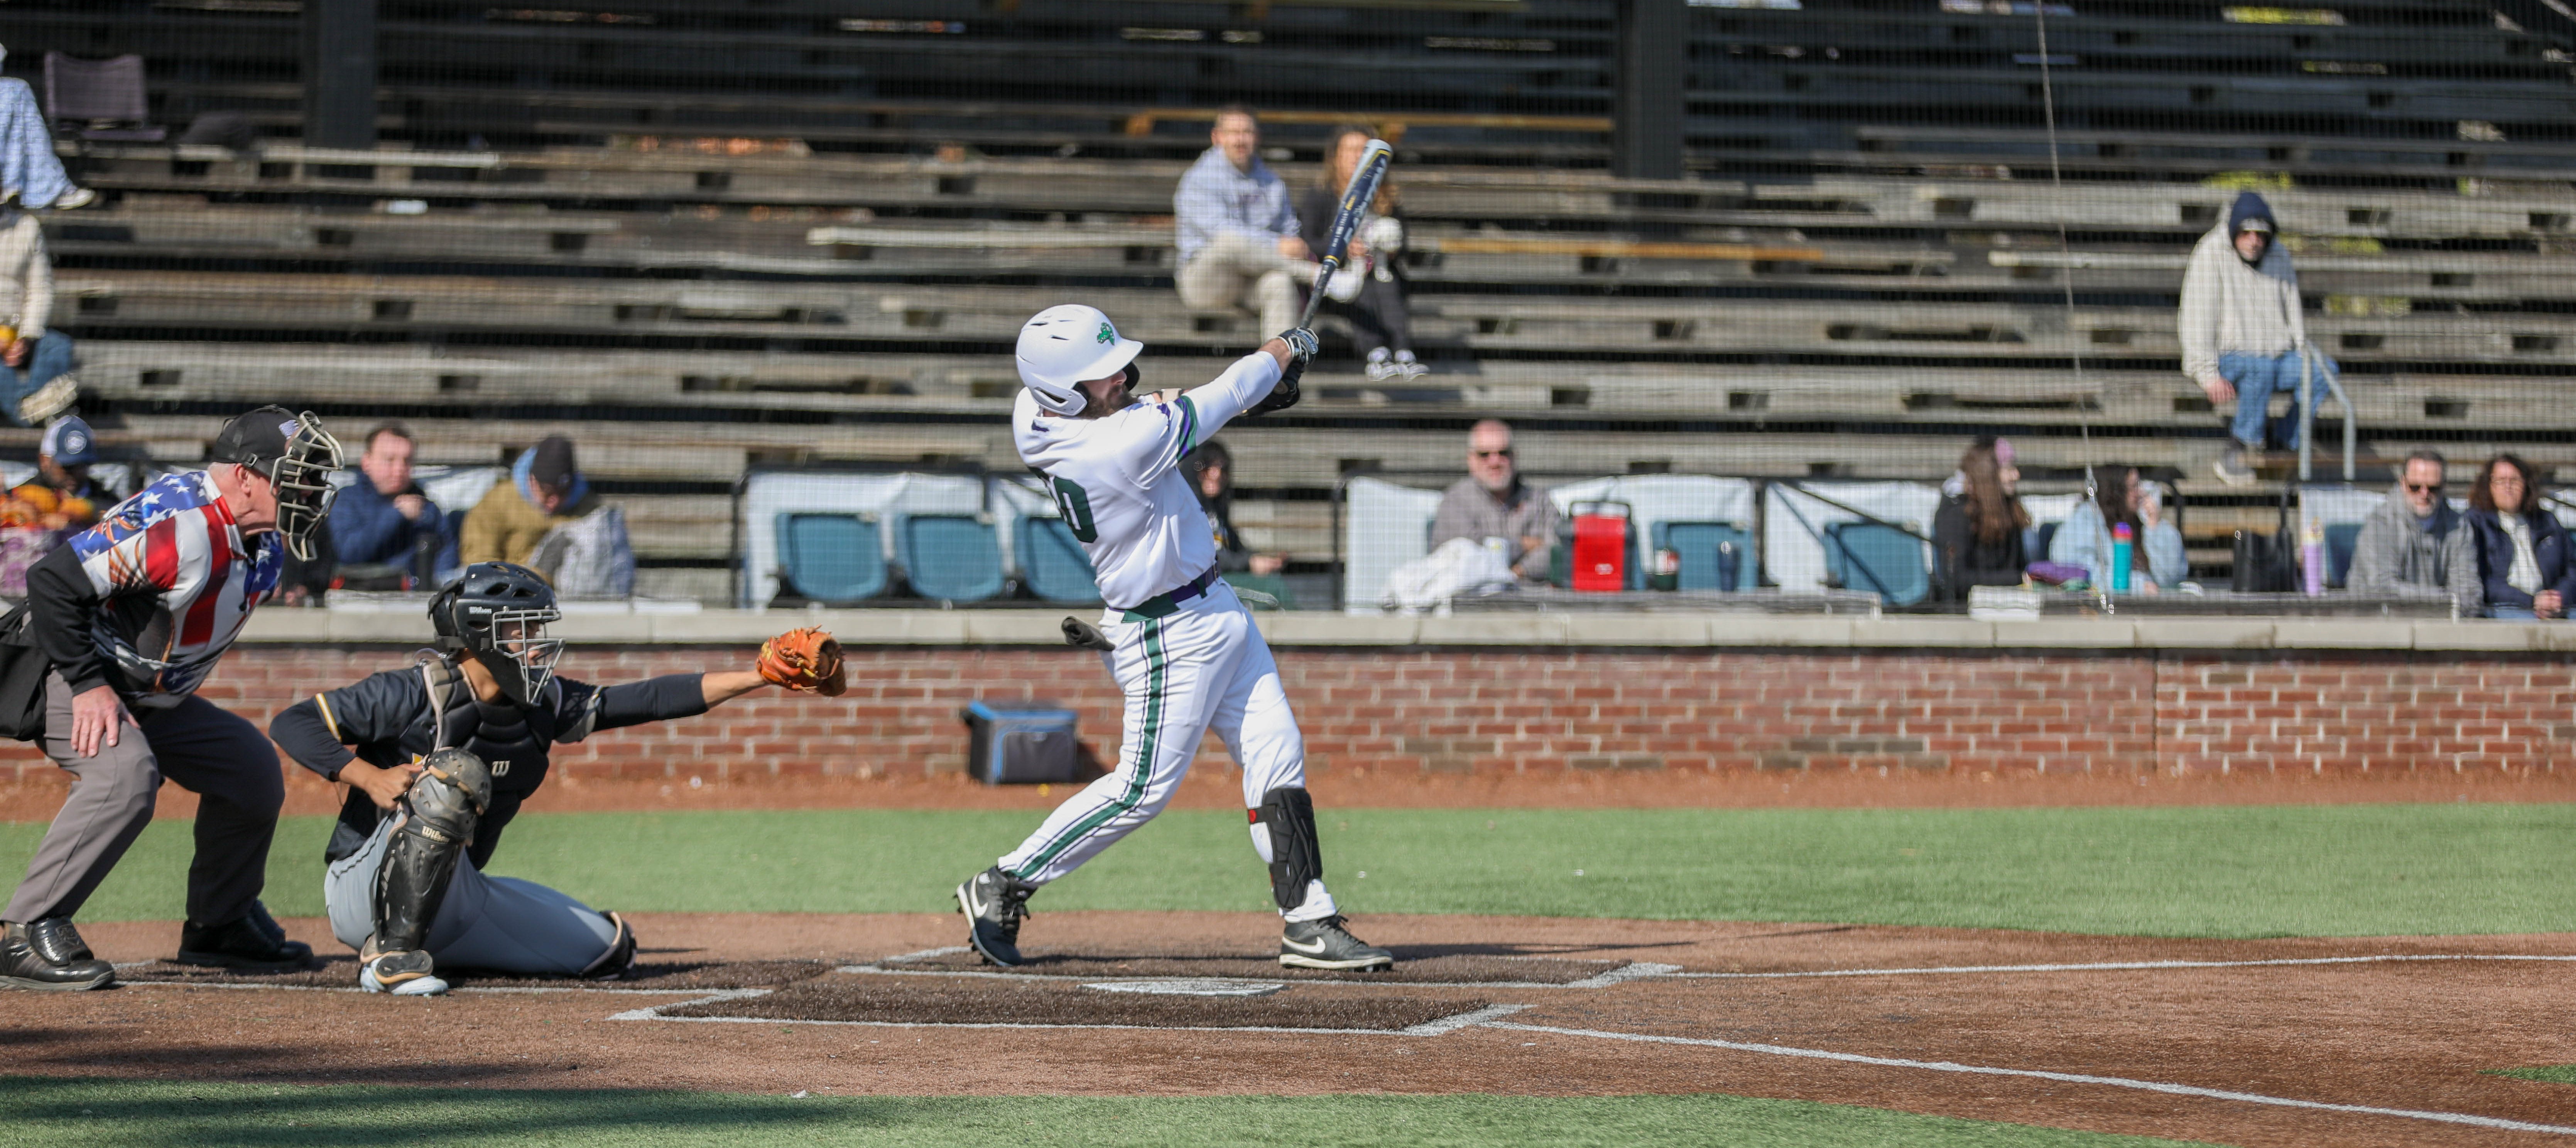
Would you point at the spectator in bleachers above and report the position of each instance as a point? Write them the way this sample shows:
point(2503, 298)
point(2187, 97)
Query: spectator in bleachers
point(385, 518)
point(63, 459)
point(2399, 551)
point(39, 383)
point(1211, 470)
point(2243, 333)
point(1977, 533)
point(2156, 559)
point(1370, 288)
point(2510, 558)
point(28, 166)
point(1493, 506)
point(1238, 237)
point(548, 519)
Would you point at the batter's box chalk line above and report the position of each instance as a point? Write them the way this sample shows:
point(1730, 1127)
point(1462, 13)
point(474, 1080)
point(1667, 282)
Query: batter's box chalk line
point(1437, 1026)
point(1633, 970)
point(2119, 966)
point(2036, 1074)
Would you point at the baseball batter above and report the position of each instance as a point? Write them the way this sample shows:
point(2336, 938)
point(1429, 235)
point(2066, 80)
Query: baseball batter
point(1175, 637)
point(445, 753)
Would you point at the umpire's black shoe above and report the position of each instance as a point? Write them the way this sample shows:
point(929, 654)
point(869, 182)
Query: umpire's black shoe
point(252, 943)
point(1326, 944)
point(994, 902)
point(49, 954)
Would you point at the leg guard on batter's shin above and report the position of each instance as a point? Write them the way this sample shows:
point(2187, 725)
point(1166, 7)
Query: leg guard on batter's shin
point(1296, 857)
point(445, 803)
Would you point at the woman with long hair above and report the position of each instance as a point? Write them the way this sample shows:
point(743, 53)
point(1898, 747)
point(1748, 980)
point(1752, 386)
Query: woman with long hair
point(2156, 558)
point(1977, 533)
point(1369, 290)
point(2510, 558)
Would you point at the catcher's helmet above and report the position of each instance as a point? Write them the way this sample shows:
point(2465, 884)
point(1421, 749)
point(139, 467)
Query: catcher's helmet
point(1062, 347)
point(498, 613)
point(297, 457)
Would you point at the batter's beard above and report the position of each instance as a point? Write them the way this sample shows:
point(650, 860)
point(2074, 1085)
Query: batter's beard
point(1120, 398)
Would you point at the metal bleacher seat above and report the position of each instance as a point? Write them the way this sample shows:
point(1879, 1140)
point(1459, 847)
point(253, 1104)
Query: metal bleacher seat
point(1703, 547)
point(950, 557)
point(1876, 558)
point(831, 558)
point(99, 100)
point(1052, 564)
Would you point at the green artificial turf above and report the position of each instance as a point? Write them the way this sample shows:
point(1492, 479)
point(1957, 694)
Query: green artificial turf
point(2206, 871)
point(2546, 1073)
point(136, 1114)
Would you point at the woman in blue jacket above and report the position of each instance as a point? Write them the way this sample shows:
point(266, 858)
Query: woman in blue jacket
point(2510, 559)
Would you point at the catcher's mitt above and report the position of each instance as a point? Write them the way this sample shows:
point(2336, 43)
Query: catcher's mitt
point(807, 660)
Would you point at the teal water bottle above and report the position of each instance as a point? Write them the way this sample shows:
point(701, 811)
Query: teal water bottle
point(2120, 547)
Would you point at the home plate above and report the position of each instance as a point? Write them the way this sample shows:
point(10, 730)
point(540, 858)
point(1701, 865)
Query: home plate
point(1194, 987)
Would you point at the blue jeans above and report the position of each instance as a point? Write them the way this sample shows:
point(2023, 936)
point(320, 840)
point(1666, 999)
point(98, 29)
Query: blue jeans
point(2256, 378)
point(2514, 613)
point(51, 358)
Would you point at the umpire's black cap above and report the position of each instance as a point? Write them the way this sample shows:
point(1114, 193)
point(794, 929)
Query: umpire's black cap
point(256, 438)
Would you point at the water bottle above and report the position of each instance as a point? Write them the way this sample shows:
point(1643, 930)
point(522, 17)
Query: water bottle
point(2120, 549)
point(1729, 567)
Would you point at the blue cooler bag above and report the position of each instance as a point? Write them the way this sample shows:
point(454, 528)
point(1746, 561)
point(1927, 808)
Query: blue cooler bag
point(1035, 743)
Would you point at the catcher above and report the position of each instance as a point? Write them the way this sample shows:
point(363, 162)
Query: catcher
point(445, 753)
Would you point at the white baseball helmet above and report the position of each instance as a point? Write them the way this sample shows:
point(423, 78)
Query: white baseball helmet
point(1065, 345)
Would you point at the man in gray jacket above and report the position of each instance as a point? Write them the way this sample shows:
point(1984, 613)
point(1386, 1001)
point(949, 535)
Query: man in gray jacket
point(2399, 553)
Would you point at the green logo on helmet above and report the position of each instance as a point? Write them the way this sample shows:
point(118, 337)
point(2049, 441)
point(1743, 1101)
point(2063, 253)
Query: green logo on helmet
point(1108, 334)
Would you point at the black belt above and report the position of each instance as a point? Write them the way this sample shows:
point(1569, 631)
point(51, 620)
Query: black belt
point(1167, 604)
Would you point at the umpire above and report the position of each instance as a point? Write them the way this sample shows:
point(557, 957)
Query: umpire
point(133, 614)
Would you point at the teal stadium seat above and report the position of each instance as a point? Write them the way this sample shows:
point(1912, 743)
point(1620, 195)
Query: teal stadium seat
point(950, 557)
point(1052, 563)
point(1878, 559)
point(2340, 537)
point(1699, 544)
point(831, 558)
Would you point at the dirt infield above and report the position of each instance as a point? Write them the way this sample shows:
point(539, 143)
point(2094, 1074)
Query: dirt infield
point(2166, 1037)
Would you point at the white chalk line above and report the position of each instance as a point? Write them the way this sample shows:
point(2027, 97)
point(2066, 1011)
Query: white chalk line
point(2114, 966)
point(1633, 970)
point(2061, 1077)
point(356, 989)
point(922, 955)
point(1437, 1026)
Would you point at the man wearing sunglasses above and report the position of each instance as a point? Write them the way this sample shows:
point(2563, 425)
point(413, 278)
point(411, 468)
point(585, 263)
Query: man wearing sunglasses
point(133, 613)
point(2399, 552)
point(1493, 503)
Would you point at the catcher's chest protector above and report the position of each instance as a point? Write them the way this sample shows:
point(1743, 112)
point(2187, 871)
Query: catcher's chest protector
point(512, 742)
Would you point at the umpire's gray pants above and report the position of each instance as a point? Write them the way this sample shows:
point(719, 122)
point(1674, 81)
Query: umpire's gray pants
point(223, 759)
point(499, 923)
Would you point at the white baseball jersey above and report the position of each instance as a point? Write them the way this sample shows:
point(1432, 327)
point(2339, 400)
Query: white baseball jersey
point(1119, 484)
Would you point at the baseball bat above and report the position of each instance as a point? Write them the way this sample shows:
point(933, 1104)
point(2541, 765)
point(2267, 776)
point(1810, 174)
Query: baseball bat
point(1356, 198)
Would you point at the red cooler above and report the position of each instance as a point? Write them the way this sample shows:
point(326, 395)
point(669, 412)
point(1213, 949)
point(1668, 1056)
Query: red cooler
point(1602, 545)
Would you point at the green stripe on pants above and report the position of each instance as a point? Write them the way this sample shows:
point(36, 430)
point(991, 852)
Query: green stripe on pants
point(1148, 739)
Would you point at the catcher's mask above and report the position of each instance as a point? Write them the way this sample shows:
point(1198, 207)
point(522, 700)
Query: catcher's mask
point(296, 456)
point(498, 613)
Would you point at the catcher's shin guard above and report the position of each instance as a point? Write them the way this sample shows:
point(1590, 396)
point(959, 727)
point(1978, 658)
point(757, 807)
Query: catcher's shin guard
point(1296, 857)
point(445, 803)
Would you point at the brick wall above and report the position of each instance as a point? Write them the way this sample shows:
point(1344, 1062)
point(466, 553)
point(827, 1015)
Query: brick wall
point(1545, 710)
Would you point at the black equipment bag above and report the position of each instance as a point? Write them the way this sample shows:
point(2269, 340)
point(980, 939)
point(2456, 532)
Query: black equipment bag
point(2267, 563)
point(22, 679)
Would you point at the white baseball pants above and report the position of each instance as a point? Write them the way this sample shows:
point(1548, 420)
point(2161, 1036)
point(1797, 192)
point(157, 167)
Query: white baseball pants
point(1204, 666)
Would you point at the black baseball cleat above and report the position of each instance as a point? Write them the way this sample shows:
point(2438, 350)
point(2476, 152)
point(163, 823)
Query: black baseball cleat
point(1326, 944)
point(994, 902)
point(250, 943)
point(49, 955)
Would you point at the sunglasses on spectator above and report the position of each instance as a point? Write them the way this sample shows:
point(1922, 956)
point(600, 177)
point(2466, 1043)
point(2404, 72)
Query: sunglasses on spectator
point(1506, 452)
point(2420, 487)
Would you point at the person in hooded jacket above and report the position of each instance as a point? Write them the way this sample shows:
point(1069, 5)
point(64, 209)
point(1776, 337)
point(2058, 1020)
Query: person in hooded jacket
point(2243, 333)
point(1211, 473)
point(1977, 533)
point(2509, 558)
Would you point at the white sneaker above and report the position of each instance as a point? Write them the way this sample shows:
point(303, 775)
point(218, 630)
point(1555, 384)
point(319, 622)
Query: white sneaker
point(1382, 370)
point(49, 400)
point(1409, 367)
point(2232, 469)
point(75, 199)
